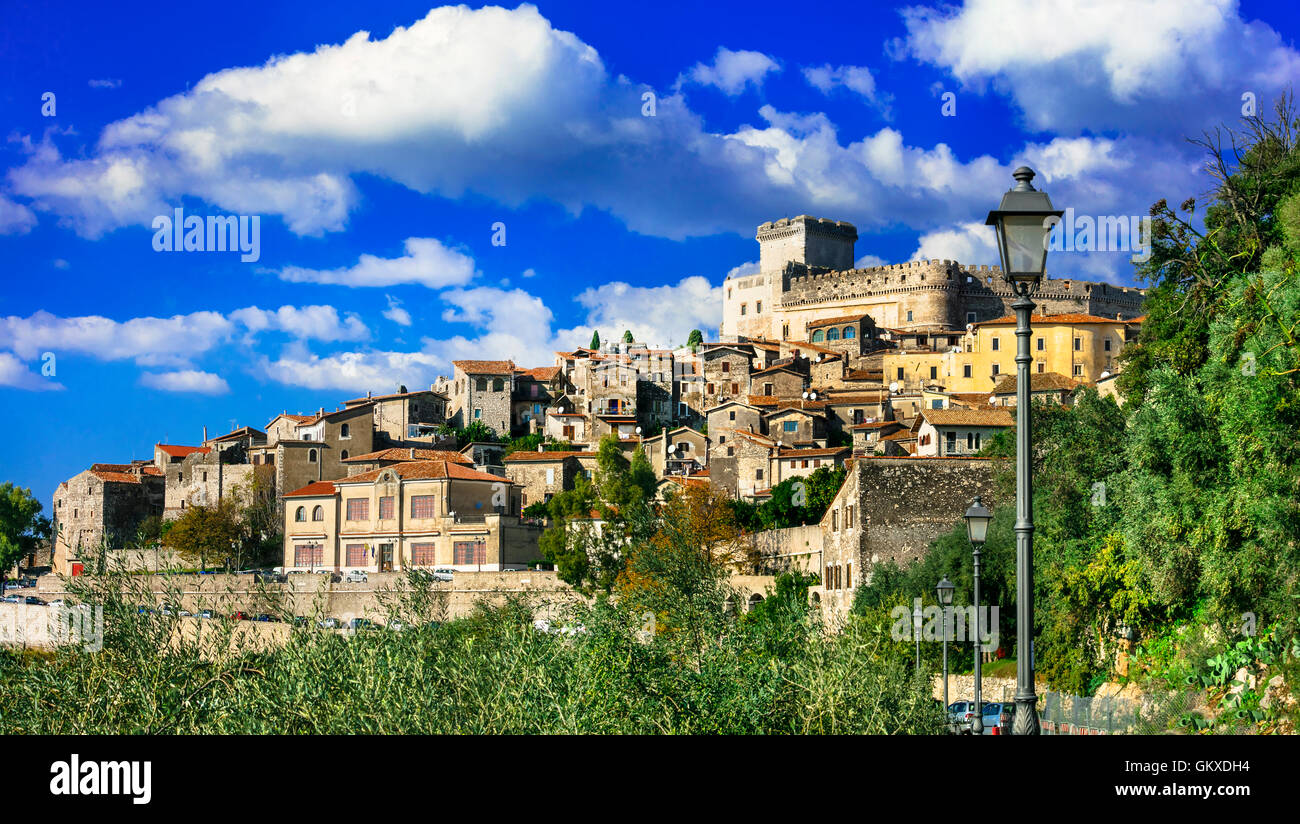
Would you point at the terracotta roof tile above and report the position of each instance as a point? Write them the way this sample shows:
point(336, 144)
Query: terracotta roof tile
point(426, 470)
point(1064, 317)
point(485, 367)
point(316, 488)
point(177, 451)
point(1038, 382)
point(550, 455)
point(399, 454)
point(968, 417)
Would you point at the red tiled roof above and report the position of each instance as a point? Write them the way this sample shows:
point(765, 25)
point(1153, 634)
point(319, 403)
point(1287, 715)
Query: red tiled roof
point(901, 435)
point(812, 453)
point(387, 397)
point(485, 367)
point(832, 321)
point(181, 451)
point(105, 473)
point(763, 400)
point(762, 440)
point(856, 397)
point(550, 455)
point(399, 454)
point(312, 489)
point(1065, 317)
point(426, 470)
point(968, 417)
point(1038, 382)
point(540, 373)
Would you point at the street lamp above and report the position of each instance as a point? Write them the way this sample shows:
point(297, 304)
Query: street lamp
point(1023, 221)
point(945, 588)
point(977, 530)
point(916, 631)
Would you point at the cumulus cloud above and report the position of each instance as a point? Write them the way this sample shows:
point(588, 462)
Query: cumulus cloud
point(186, 380)
point(15, 218)
point(1095, 65)
point(746, 268)
point(658, 315)
point(396, 313)
point(857, 79)
point(731, 71)
point(427, 262)
point(355, 371)
point(306, 322)
point(15, 375)
point(868, 261)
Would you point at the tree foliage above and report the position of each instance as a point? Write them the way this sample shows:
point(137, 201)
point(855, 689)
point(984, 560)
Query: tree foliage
point(22, 527)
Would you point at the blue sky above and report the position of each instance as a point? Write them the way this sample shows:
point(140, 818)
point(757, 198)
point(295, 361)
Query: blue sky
point(378, 144)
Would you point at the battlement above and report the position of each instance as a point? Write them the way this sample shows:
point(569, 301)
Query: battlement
point(808, 240)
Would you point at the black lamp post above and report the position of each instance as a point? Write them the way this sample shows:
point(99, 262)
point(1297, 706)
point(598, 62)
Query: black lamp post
point(944, 589)
point(977, 530)
point(1023, 222)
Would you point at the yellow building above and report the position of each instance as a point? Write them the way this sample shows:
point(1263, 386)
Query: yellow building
point(1081, 347)
point(411, 514)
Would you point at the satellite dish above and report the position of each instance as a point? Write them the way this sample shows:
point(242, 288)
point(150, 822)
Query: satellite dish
point(672, 448)
point(638, 430)
point(893, 387)
point(814, 395)
point(1104, 375)
point(805, 396)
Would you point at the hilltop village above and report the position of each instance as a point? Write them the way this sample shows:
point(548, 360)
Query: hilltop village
point(902, 372)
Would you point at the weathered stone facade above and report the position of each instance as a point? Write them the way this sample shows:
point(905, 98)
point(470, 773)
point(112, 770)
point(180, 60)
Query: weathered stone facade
point(102, 507)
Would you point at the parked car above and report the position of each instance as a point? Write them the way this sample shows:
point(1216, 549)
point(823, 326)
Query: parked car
point(12, 585)
point(443, 574)
point(328, 623)
point(991, 718)
point(207, 613)
point(361, 624)
point(239, 615)
point(1007, 719)
point(356, 576)
point(143, 610)
point(10, 599)
point(168, 609)
point(33, 601)
point(57, 602)
point(300, 621)
point(185, 613)
point(264, 617)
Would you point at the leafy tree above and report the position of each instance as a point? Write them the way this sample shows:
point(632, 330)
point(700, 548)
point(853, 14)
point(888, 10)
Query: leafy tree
point(627, 336)
point(596, 521)
point(537, 509)
point(595, 340)
point(476, 432)
point(695, 339)
point(22, 527)
point(798, 501)
point(205, 533)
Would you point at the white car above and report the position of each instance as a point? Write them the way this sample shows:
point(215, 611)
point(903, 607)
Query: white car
point(356, 576)
point(443, 574)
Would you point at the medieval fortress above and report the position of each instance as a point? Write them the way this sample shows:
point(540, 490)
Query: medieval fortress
point(806, 274)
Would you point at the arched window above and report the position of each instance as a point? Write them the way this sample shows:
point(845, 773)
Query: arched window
point(345, 431)
point(832, 334)
point(301, 514)
point(755, 600)
point(343, 455)
point(317, 514)
point(497, 384)
point(850, 333)
point(311, 456)
point(817, 336)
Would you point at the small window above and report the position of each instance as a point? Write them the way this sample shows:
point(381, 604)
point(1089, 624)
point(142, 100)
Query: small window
point(900, 373)
point(909, 315)
point(478, 414)
point(970, 316)
point(790, 426)
point(726, 366)
point(300, 514)
point(311, 456)
point(965, 371)
point(318, 513)
point(1078, 369)
point(995, 345)
point(1040, 367)
point(849, 333)
point(1042, 345)
point(481, 384)
point(758, 474)
point(934, 373)
point(997, 369)
point(345, 431)
point(498, 384)
point(818, 336)
point(832, 334)
point(1078, 344)
point(731, 416)
point(343, 455)
point(744, 308)
point(1107, 344)
point(758, 307)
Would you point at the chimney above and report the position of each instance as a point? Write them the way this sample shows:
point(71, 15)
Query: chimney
point(367, 394)
point(412, 453)
point(205, 434)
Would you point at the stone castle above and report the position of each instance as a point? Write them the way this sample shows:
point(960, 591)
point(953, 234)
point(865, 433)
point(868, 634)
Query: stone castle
point(806, 274)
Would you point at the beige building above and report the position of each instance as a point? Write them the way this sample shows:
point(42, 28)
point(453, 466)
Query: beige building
point(412, 514)
point(959, 432)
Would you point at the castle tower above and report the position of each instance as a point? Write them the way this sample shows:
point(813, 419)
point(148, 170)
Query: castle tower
point(750, 301)
point(808, 240)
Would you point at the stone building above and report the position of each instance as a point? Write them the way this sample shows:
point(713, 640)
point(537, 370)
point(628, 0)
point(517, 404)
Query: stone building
point(535, 390)
point(958, 431)
point(480, 390)
point(680, 451)
point(415, 514)
point(379, 459)
point(102, 508)
point(405, 416)
point(543, 475)
point(806, 274)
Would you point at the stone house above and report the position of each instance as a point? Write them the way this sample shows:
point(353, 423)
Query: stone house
point(798, 422)
point(848, 409)
point(959, 432)
point(570, 427)
point(319, 446)
point(379, 459)
point(726, 372)
point(406, 416)
point(680, 451)
point(480, 390)
point(728, 418)
point(102, 507)
point(866, 436)
point(543, 475)
point(784, 380)
point(416, 514)
point(800, 463)
point(535, 390)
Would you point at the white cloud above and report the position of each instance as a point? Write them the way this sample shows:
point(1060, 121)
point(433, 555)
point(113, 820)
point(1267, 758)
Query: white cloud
point(1095, 65)
point(352, 371)
point(732, 71)
point(15, 218)
point(970, 243)
point(500, 104)
point(15, 374)
point(187, 380)
point(868, 261)
point(746, 268)
point(427, 262)
point(658, 315)
point(396, 313)
point(529, 273)
point(857, 79)
point(305, 322)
